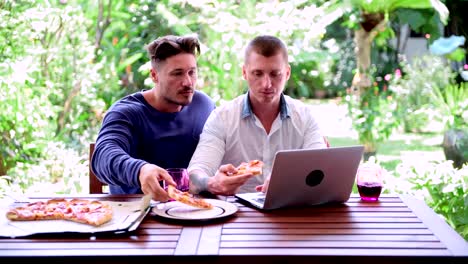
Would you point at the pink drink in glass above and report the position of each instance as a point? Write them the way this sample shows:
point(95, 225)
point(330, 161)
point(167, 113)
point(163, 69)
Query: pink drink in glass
point(181, 177)
point(369, 182)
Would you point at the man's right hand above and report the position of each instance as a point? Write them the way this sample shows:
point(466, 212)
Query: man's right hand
point(223, 183)
point(149, 177)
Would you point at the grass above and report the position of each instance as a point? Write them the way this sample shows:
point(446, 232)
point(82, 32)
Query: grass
point(401, 147)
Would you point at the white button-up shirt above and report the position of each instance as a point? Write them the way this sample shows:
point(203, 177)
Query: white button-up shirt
point(233, 134)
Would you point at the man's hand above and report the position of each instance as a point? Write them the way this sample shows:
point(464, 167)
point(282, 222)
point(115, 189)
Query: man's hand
point(264, 187)
point(223, 183)
point(149, 177)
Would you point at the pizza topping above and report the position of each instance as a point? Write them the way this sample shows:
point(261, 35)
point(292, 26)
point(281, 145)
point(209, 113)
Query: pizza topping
point(83, 211)
point(254, 167)
point(187, 198)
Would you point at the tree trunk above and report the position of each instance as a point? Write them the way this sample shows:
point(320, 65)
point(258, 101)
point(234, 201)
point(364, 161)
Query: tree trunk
point(363, 43)
point(372, 24)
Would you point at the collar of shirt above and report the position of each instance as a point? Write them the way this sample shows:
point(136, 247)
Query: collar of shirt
point(247, 108)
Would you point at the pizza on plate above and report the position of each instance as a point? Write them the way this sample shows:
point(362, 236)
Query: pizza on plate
point(83, 211)
point(187, 198)
point(254, 167)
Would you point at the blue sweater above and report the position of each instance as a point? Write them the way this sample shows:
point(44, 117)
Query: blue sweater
point(133, 134)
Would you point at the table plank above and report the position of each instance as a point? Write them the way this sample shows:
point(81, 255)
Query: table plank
point(358, 225)
point(209, 241)
point(337, 231)
point(188, 241)
point(335, 252)
point(130, 238)
point(457, 245)
point(345, 244)
point(245, 209)
point(324, 219)
point(89, 252)
point(92, 245)
point(328, 237)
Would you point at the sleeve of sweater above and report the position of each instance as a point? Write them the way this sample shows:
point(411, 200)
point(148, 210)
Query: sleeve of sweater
point(111, 161)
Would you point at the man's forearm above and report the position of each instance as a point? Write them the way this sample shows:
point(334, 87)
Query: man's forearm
point(198, 181)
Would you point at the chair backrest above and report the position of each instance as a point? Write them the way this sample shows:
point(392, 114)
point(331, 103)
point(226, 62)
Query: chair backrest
point(95, 186)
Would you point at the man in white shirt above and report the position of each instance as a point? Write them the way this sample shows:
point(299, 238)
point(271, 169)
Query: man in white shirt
point(253, 126)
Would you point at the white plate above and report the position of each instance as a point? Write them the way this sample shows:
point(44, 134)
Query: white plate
point(180, 211)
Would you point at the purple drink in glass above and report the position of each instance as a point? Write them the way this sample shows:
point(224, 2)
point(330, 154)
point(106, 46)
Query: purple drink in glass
point(369, 191)
point(369, 181)
point(181, 177)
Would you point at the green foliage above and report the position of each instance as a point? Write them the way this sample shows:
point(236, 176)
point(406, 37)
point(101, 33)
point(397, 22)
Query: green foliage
point(422, 16)
point(61, 170)
point(386, 6)
point(344, 67)
point(49, 86)
point(414, 91)
point(224, 28)
point(373, 115)
point(23, 129)
point(452, 102)
point(13, 42)
point(309, 73)
point(457, 55)
point(225, 33)
point(425, 21)
point(444, 189)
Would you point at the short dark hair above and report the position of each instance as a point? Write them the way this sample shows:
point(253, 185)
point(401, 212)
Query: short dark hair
point(164, 47)
point(266, 46)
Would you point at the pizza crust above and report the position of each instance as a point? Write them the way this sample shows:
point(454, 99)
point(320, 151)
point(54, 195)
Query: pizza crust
point(187, 198)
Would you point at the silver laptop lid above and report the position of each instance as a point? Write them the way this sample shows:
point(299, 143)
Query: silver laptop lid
point(312, 176)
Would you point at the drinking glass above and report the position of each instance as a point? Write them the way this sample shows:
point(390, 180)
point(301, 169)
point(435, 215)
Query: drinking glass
point(181, 178)
point(369, 181)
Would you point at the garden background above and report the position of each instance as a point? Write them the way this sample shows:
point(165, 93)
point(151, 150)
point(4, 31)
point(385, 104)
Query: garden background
point(64, 63)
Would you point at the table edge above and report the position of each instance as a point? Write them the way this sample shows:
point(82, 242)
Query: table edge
point(447, 235)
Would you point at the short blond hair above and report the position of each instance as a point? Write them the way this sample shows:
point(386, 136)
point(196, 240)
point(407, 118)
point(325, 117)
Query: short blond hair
point(266, 46)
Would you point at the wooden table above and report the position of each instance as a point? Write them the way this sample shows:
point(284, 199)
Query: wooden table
point(394, 230)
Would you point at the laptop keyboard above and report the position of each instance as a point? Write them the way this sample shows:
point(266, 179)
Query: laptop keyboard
point(259, 200)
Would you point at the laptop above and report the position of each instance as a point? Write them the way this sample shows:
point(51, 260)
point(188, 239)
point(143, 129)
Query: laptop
point(305, 177)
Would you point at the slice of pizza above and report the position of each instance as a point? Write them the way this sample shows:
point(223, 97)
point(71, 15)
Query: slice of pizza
point(88, 212)
point(83, 211)
point(254, 167)
point(31, 211)
point(23, 213)
point(187, 198)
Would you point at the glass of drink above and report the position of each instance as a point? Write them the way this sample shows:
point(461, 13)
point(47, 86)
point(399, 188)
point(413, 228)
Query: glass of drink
point(181, 177)
point(369, 181)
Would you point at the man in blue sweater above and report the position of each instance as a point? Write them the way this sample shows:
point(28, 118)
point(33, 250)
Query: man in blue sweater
point(147, 132)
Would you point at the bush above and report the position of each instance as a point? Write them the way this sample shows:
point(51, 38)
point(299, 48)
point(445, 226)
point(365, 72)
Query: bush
point(443, 188)
point(414, 90)
point(60, 171)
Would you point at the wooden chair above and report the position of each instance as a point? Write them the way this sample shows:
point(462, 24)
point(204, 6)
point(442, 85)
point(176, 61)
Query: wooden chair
point(327, 143)
point(95, 186)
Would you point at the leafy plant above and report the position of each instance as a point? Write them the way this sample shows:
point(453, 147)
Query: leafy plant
point(372, 20)
point(444, 189)
point(414, 86)
point(61, 171)
point(452, 102)
point(373, 116)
